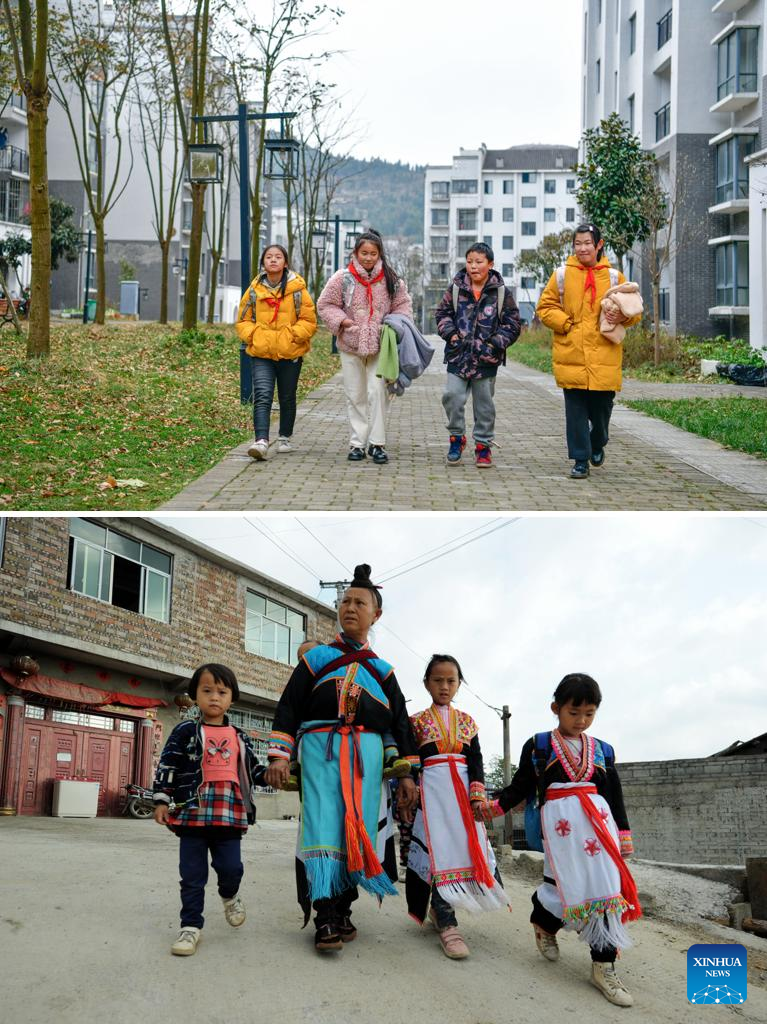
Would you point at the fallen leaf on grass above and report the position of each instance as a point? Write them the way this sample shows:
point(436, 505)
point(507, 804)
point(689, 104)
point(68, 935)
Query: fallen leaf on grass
point(109, 484)
point(130, 483)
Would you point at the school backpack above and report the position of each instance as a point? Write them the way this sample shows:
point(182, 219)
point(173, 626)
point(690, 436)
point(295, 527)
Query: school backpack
point(252, 299)
point(561, 281)
point(348, 284)
point(501, 299)
point(541, 755)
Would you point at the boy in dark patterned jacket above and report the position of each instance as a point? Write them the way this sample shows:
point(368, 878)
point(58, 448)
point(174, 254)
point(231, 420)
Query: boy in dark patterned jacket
point(478, 320)
point(203, 793)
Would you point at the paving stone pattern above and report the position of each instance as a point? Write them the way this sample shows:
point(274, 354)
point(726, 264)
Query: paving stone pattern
point(649, 465)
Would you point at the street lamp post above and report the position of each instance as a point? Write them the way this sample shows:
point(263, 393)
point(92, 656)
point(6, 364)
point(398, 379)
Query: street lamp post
point(321, 225)
point(281, 151)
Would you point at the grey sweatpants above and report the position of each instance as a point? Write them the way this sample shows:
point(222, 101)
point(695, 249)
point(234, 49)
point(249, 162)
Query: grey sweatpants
point(454, 401)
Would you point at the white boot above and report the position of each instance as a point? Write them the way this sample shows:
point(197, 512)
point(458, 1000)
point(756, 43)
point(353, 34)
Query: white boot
point(604, 978)
point(234, 911)
point(186, 943)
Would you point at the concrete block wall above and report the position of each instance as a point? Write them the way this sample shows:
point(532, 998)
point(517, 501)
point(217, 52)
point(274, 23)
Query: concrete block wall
point(698, 810)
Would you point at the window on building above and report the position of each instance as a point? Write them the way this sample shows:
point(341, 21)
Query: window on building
point(528, 227)
point(467, 220)
point(629, 268)
point(599, 12)
point(508, 186)
point(529, 177)
point(632, 33)
point(489, 187)
point(440, 218)
point(549, 213)
point(632, 105)
point(440, 190)
point(507, 270)
point(487, 215)
point(14, 198)
point(664, 28)
point(550, 186)
point(272, 630)
point(571, 184)
point(570, 215)
point(221, 274)
point(438, 269)
point(663, 122)
point(737, 62)
point(529, 202)
point(527, 282)
point(438, 243)
point(731, 170)
point(664, 305)
point(507, 214)
point(186, 215)
point(488, 240)
point(34, 711)
point(599, 75)
point(119, 570)
point(732, 274)
point(465, 186)
point(508, 242)
point(251, 722)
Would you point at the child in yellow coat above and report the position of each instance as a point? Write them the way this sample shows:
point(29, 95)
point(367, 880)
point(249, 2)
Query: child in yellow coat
point(276, 321)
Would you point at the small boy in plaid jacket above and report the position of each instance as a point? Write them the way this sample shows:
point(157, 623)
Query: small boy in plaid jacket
point(203, 793)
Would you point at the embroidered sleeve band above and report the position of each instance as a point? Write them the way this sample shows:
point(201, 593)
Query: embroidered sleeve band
point(477, 791)
point(627, 843)
point(281, 745)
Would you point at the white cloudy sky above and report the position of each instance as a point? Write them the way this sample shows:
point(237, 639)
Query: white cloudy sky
point(427, 77)
point(667, 612)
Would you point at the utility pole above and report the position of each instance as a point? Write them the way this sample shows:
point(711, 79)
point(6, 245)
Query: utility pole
point(339, 586)
point(505, 717)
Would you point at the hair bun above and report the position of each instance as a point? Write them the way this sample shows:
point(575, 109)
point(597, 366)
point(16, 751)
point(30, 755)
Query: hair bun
point(362, 573)
point(372, 231)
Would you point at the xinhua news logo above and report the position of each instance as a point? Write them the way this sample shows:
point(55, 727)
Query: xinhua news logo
point(716, 974)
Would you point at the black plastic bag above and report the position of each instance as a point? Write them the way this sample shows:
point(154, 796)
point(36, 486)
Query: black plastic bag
point(739, 373)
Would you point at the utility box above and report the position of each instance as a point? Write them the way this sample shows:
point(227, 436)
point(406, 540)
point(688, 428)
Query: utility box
point(130, 299)
point(75, 799)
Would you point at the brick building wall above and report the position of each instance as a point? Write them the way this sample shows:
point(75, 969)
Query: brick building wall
point(699, 810)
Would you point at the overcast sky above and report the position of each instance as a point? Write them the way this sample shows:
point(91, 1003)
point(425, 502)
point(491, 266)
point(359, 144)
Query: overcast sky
point(430, 76)
point(667, 612)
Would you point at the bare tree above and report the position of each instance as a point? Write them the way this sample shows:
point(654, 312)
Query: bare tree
point(215, 221)
point(26, 31)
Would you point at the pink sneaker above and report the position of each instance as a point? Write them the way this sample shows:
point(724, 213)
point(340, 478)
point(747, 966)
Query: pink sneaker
point(450, 939)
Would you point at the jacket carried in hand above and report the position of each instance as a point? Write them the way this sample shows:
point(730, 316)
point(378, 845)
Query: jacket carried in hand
point(344, 298)
point(276, 326)
point(582, 357)
point(483, 337)
point(179, 773)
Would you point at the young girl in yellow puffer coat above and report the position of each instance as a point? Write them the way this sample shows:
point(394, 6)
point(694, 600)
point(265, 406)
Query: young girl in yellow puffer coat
point(276, 321)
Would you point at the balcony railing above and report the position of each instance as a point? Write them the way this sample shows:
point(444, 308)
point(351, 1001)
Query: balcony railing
point(663, 122)
point(17, 102)
point(664, 29)
point(14, 159)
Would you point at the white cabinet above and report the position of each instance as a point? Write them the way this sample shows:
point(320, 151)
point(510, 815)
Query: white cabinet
point(73, 799)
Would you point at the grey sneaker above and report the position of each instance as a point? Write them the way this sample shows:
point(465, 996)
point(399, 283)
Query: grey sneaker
point(259, 449)
point(284, 445)
point(234, 911)
point(186, 943)
point(604, 978)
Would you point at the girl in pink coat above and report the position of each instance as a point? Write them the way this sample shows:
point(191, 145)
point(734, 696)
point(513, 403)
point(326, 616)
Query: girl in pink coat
point(353, 304)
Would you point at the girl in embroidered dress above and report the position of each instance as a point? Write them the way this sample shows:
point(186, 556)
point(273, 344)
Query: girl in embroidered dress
point(353, 304)
point(586, 883)
point(207, 770)
point(450, 856)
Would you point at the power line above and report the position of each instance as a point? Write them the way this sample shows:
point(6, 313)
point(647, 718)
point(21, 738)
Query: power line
point(262, 529)
point(447, 543)
point(323, 545)
point(501, 526)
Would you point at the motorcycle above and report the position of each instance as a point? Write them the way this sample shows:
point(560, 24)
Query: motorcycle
point(139, 802)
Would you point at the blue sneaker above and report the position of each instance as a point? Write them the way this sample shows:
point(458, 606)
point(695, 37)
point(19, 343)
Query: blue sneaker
point(457, 445)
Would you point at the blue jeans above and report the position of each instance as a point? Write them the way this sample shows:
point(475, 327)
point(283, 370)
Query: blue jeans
point(264, 373)
point(224, 845)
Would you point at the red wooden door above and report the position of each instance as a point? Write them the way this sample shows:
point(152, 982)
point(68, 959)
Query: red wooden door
point(96, 767)
point(34, 781)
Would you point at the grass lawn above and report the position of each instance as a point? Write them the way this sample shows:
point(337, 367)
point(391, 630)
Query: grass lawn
point(123, 403)
point(737, 422)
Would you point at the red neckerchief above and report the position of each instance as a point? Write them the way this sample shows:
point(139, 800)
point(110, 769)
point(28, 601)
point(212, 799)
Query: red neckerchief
point(590, 284)
point(275, 304)
point(367, 283)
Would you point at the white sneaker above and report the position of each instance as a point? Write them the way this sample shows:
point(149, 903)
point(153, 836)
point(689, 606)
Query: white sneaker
point(234, 911)
point(547, 944)
point(186, 943)
point(604, 978)
point(284, 445)
point(259, 449)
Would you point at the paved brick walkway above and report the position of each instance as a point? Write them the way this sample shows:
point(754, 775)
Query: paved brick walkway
point(649, 465)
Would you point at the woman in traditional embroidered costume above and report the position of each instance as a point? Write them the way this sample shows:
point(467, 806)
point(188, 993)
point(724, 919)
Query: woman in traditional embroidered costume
point(586, 837)
point(339, 702)
point(450, 856)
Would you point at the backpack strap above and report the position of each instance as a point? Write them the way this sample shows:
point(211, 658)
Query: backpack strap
point(608, 752)
point(541, 755)
point(561, 283)
point(614, 280)
point(501, 300)
point(347, 289)
point(251, 304)
point(455, 298)
point(297, 302)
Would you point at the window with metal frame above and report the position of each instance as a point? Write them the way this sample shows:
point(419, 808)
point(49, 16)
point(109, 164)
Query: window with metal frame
point(508, 186)
point(664, 28)
point(550, 186)
point(440, 190)
point(529, 227)
point(464, 186)
point(663, 122)
point(731, 169)
point(273, 630)
point(737, 69)
point(732, 274)
point(467, 220)
point(549, 213)
point(440, 217)
point(119, 570)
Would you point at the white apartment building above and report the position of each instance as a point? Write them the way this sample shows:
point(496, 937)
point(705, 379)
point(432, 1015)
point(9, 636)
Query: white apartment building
point(688, 77)
point(509, 198)
point(14, 178)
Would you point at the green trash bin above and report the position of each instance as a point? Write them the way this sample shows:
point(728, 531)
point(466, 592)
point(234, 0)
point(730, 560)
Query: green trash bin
point(91, 309)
